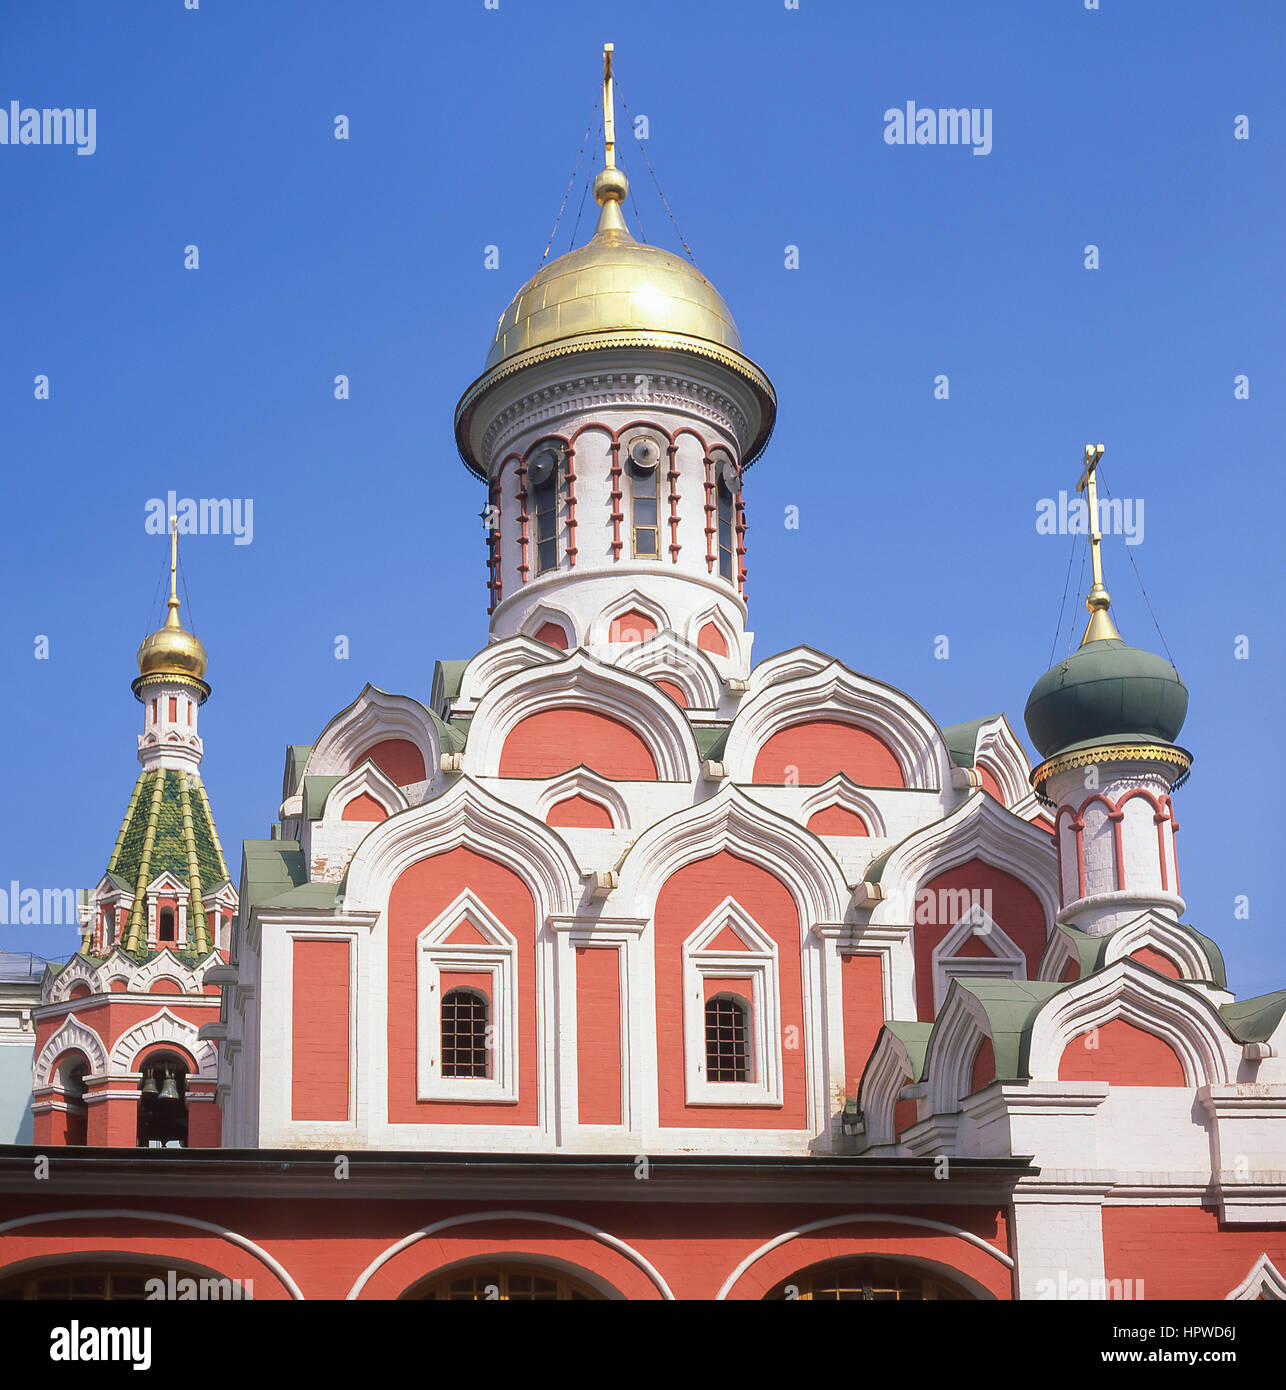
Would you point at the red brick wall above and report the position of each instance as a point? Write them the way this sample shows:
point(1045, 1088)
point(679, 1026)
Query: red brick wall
point(862, 982)
point(1181, 1252)
point(837, 820)
point(319, 1034)
point(579, 810)
point(819, 748)
point(556, 740)
point(1125, 1056)
point(598, 1034)
point(364, 807)
point(397, 758)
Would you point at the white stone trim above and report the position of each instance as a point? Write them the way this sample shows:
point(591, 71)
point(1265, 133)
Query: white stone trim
point(373, 717)
point(731, 820)
point(1170, 1010)
point(511, 655)
point(996, 746)
point(961, 1026)
point(1006, 960)
point(370, 779)
point(163, 1029)
point(838, 693)
point(1163, 934)
point(881, 1088)
point(1265, 1281)
point(636, 601)
point(839, 791)
point(499, 959)
point(584, 781)
point(760, 963)
point(581, 681)
point(667, 656)
point(979, 829)
point(72, 1035)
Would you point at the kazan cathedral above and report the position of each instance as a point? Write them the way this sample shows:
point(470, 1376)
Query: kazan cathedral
point(620, 965)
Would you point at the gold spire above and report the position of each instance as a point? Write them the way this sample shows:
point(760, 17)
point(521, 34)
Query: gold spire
point(172, 653)
point(610, 183)
point(1099, 601)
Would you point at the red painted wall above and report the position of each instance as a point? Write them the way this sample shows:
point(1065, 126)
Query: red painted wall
point(1015, 909)
point(837, 820)
point(674, 693)
point(319, 1032)
point(552, 634)
point(862, 982)
point(1154, 960)
point(984, 1066)
point(631, 627)
point(397, 758)
point(598, 1034)
point(1180, 1252)
point(819, 748)
point(1125, 1056)
point(710, 639)
point(989, 783)
point(580, 811)
point(686, 899)
point(421, 894)
point(364, 807)
point(555, 740)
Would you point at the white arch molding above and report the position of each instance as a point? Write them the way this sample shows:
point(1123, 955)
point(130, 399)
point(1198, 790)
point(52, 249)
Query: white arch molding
point(163, 1217)
point(373, 717)
point(161, 1030)
point(72, 1036)
point(854, 1218)
point(477, 1217)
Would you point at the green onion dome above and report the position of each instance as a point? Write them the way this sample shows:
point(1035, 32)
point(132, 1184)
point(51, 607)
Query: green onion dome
point(1103, 692)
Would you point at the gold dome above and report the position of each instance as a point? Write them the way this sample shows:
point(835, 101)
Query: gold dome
point(172, 652)
point(613, 284)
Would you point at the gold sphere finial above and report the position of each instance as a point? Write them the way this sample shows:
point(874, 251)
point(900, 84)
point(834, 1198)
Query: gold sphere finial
point(610, 186)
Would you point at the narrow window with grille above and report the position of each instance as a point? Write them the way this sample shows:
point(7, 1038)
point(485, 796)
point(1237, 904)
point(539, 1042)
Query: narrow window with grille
point(643, 488)
point(727, 1039)
point(544, 504)
point(464, 1034)
point(727, 507)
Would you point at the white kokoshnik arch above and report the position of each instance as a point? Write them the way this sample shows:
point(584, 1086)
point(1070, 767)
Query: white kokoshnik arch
point(979, 829)
point(73, 1036)
point(507, 657)
point(668, 657)
point(465, 815)
point(582, 682)
point(836, 693)
point(373, 717)
point(368, 778)
point(163, 1029)
point(730, 820)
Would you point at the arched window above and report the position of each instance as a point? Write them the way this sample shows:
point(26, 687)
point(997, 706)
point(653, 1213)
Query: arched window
point(162, 1103)
point(727, 1039)
point(727, 529)
point(866, 1281)
point(464, 1034)
point(544, 477)
point(61, 1283)
point(504, 1283)
point(165, 931)
point(644, 467)
point(71, 1079)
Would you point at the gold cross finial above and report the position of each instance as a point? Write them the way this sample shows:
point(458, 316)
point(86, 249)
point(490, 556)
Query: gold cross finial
point(609, 106)
point(172, 617)
point(1099, 600)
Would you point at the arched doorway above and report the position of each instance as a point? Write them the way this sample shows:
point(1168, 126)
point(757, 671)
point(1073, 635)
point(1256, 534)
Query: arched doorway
point(162, 1102)
point(505, 1283)
point(70, 1080)
point(868, 1280)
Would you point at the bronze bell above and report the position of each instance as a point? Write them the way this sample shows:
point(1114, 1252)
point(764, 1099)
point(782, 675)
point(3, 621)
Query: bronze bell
point(149, 1084)
point(169, 1091)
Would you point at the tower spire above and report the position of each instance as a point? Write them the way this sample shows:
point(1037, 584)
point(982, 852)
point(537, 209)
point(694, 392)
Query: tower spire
point(172, 616)
point(610, 183)
point(1099, 601)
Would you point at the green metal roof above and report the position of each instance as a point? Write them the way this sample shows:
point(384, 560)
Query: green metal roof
point(315, 895)
point(961, 739)
point(1255, 1020)
point(1011, 1007)
point(452, 677)
point(269, 869)
point(915, 1038)
point(168, 828)
point(710, 741)
point(316, 789)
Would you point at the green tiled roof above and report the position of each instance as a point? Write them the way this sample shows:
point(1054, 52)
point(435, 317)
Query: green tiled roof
point(1255, 1020)
point(168, 828)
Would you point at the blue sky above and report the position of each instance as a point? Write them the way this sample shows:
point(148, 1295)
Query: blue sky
point(366, 257)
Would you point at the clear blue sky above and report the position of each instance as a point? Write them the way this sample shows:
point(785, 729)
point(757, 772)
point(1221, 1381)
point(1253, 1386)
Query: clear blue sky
point(917, 516)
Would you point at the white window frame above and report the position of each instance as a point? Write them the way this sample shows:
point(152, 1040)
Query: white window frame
point(496, 957)
point(1006, 961)
point(757, 967)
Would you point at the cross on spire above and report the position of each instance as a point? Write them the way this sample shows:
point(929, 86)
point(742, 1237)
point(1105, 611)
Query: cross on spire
point(1098, 601)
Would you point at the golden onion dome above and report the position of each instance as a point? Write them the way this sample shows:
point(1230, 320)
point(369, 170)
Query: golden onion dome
point(172, 652)
point(613, 284)
point(615, 292)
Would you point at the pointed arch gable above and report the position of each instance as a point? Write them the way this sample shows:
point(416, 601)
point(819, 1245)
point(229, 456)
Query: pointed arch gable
point(73, 1036)
point(78, 970)
point(959, 1031)
point(582, 682)
point(509, 656)
point(465, 815)
point(979, 829)
point(839, 791)
point(375, 716)
point(715, 617)
point(1265, 1282)
point(636, 601)
point(836, 694)
point(1165, 936)
point(583, 781)
point(366, 779)
point(163, 1029)
point(886, 1073)
point(997, 749)
point(732, 821)
point(668, 657)
point(1181, 1017)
